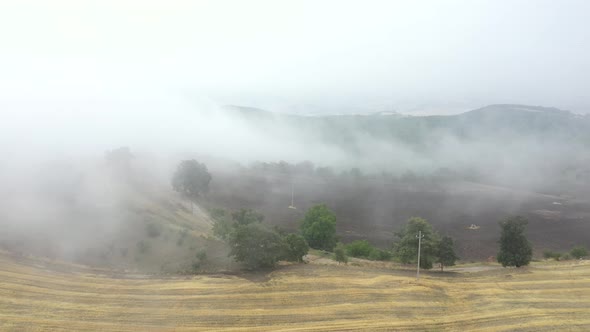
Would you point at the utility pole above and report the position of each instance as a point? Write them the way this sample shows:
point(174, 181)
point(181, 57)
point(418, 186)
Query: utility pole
point(292, 206)
point(419, 237)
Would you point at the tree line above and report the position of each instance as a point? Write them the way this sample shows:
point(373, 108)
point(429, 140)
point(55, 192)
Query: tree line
point(256, 244)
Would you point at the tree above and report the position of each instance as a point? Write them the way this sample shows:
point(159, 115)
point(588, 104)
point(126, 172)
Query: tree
point(515, 249)
point(406, 247)
point(340, 254)
point(295, 248)
point(445, 253)
point(222, 223)
point(578, 252)
point(191, 179)
point(319, 228)
point(255, 245)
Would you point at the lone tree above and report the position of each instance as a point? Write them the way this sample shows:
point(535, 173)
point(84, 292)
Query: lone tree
point(406, 247)
point(191, 179)
point(515, 249)
point(319, 228)
point(255, 245)
point(445, 253)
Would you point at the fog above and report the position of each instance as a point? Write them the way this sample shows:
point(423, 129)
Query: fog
point(81, 79)
point(300, 56)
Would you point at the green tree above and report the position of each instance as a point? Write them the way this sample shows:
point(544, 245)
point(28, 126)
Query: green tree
point(222, 223)
point(445, 253)
point(340, 254)
point(295, 248)
point(515, 249)
point(191, 179)
point(578, 252)
point(406, 247)
point(319, 228)
point(255, 245)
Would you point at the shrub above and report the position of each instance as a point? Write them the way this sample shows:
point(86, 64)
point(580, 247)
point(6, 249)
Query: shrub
point(360, 249)
point(380, 255)
point(201, 260)
point(340, 254)
point(548, 254)
point(579, 252)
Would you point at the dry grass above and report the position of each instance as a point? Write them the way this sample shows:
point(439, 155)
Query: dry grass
point(37, 295)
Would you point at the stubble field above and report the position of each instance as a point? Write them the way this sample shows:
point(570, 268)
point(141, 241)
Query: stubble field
point(40, 295)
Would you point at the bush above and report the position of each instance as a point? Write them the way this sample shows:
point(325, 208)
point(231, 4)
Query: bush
point(380, 255)
point(566, 256)
point(359, 248)
point(579, 252)
point(200, 262)
point(340, 254)
point(363, 249)
point(548, 254)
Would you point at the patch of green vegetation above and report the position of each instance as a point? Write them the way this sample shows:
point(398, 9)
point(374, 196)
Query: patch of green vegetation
point(579, 252)
point(363, 249)
point(340, 253)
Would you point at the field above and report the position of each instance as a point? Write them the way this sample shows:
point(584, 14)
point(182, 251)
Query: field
point(41, 295)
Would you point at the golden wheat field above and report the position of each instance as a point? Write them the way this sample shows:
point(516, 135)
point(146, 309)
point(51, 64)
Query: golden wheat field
point(39, 295)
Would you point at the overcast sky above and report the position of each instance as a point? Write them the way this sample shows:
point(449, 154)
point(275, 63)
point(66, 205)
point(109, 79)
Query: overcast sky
point(433, 56)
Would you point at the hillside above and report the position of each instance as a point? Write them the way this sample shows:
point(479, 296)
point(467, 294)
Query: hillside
point(377, 170)
point(109, 214)
point(44, 295)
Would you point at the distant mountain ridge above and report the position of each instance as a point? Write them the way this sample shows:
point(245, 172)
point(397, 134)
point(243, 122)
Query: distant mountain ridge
point(499, 121)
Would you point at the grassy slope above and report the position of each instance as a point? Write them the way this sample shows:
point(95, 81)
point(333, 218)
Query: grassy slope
point(42, 295)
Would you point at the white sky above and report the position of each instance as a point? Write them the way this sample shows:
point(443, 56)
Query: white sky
point(281, 54)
